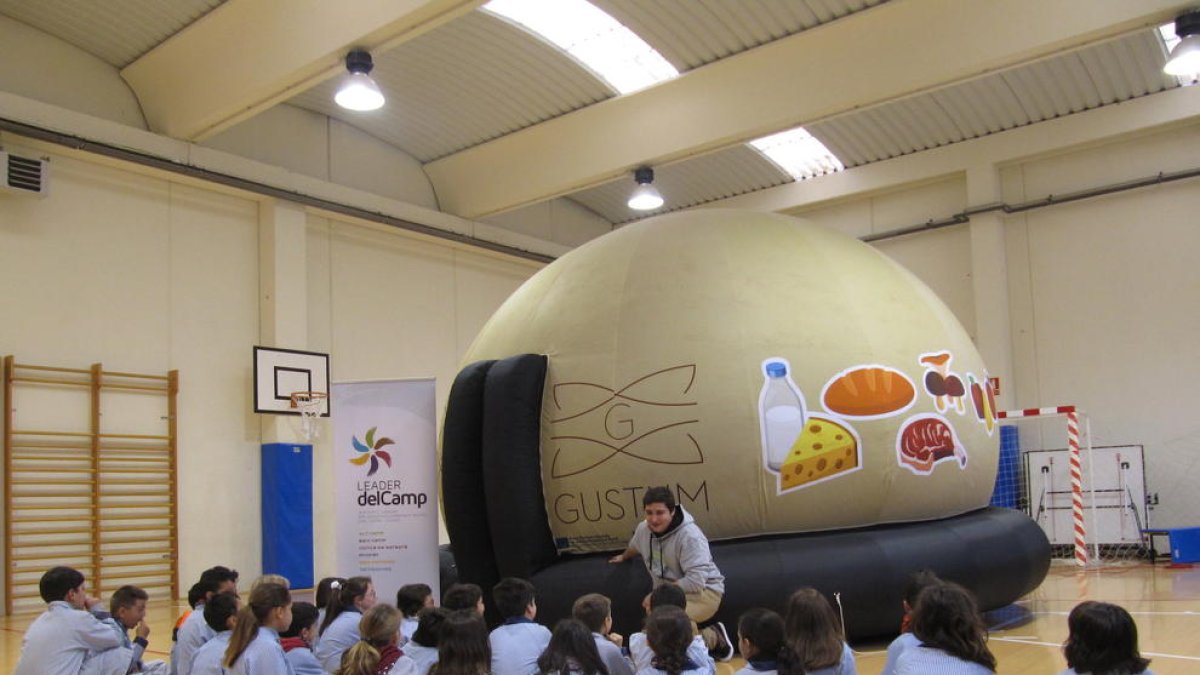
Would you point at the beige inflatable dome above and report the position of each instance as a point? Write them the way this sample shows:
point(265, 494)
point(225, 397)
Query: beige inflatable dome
point(779, 376)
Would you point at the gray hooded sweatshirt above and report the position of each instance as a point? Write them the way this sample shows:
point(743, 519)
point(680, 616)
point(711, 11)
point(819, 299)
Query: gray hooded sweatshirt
point(680, 555)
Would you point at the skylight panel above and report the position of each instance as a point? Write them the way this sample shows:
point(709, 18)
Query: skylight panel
point(592, 37)
point(798, 154)
point(1170, 39)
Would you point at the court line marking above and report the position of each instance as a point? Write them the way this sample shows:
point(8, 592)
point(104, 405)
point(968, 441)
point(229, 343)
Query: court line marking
point(1056, 645)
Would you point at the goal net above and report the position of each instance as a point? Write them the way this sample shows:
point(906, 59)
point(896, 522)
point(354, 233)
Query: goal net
point(1090, 501)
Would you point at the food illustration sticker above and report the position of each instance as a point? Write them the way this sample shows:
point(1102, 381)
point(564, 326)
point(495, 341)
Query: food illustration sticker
point(801, 448)
point(868, 392)
point(926, 440)
point(984, 400)
point(945, 387)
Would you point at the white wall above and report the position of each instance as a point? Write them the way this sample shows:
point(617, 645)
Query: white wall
point(41, 67)
point(146, 274)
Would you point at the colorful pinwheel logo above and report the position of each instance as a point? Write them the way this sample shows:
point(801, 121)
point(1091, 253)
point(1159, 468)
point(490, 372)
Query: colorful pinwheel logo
point(371, 451)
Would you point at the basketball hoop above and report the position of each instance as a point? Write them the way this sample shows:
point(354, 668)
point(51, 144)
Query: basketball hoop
point(310, 405)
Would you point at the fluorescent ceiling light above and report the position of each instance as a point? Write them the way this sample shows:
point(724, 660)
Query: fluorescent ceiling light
point(797, 153)
point(592, 37)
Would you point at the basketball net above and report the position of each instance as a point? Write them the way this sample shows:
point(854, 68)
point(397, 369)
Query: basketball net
point(309, 404)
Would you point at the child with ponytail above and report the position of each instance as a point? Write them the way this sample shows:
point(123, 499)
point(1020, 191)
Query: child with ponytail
point(339, 630)
point(378, 653)
point(669, 634)
point(760, 640)
point(254, 647)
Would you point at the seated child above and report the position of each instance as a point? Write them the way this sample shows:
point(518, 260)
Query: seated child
point(517, 643)
point(669, 634)
point(339, 631)
point(760, 640)
point(423, 647)
point(378, 652)
point(254, 647)
point(410, 600)
point(917, 582)
point(813, 638)
point(640, 652)
point(195, 631)
point(128, 608)
point(271, 579)
point(953, 637)
point(595, 611)
point(325, 588)
point(60, 639)
point(572, 651)
point(1102, 639)
point(220, 614)
point(464, 596)
point(297, 640)
point(463, 646)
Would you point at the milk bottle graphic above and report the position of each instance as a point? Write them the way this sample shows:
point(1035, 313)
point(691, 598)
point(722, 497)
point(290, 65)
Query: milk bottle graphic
point(781, 412)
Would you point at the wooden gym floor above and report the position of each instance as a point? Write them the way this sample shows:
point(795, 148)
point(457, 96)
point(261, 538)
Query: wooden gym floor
point(1026, 638)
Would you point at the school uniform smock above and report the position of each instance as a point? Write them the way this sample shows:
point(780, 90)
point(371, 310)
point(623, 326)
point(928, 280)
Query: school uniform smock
point(611, 656)
point(1071, 671)
point(516, 646)
point(194, 632)
point(642, 655)
point(300, 657)
point(760, 667)
point(60, 639)
point(339, 636)
point(210, 656)
point(846, 666)
point(423, 657)
point(408, 626)
point(902, 643)
point(263, 656)
point(124, 658)
point(692, 668)
point(921, 660)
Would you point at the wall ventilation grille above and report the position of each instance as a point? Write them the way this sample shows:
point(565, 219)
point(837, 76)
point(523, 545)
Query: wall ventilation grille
point(23, 175)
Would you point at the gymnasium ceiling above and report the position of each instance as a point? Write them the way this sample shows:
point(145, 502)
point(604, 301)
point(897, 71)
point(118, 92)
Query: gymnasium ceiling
point(501, 119)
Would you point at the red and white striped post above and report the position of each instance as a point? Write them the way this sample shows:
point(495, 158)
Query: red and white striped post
point(1081, 554)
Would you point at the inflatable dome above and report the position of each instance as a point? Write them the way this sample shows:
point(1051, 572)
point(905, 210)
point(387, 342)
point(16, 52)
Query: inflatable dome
point(783, 379)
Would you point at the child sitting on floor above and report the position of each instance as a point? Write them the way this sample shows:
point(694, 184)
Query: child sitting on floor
point(423, 647)
point(517, 644)
point(953, 638)
point(1103, 639)
point(297, 640)
point(595, 611)
point(128, 609)
point(220, 614)
point(572, 651)
point(669, 634)
point(813, 637)
point(60, 639)
point(410, 600)
point(760, 640)
point(640, 652)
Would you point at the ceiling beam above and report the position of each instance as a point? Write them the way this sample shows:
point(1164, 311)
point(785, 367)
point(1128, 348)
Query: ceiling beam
point(248, 55)
point(893, 50)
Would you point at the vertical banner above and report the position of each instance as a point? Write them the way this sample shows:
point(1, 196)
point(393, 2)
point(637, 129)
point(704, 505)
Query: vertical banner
point(385, 477)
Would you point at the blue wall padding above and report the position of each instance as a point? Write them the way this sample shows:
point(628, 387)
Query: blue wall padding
point(287, 512)
point(1008, 475)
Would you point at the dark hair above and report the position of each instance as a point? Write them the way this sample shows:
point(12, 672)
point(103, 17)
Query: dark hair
point(1102, 639)
point(126, 596)
point(462, 596)
point(572, 650)
point(195, 594)
point(304, 615)
point(763, 629)
point(659, 494)
point(218, 610)
point(429, 626)
point(212, 578)
point(410, 599)
point(512, 596)
point(813, 638)
point(592, 609)
point(378, 627)
point(263, 599)
point(463, 647)
point(946, 618)
point(58, 581)
point(669, 633)
point(324, 590)
point(668, 594)
point(917, 582)
point(343, 599)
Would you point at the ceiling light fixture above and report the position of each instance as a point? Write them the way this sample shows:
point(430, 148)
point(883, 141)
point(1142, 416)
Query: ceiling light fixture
point(645, 196)
point(1185, 57)
point(358, 91)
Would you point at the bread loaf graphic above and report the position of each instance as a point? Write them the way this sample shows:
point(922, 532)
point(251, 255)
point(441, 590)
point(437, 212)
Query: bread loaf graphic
point(868, 391)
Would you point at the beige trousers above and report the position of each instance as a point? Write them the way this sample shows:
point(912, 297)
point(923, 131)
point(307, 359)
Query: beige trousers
point(701, 607)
